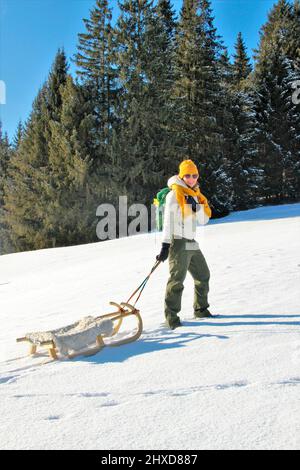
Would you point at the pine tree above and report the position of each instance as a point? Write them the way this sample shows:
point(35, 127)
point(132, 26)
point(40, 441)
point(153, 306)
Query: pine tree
point(199, 98)
point(25, 203)
point(241, 67)
point(277, 115)
point(167, 16)
point(18, 136)
point(55, 83)
point(241, 139)
point(275, 33)
point(21, 195)
point(239, 130)
point(141, 149)
point(98, 75)
point(71, 191)
point(159, 71)
point(278, 129)
point(226, 69)
point(292, 47)
point(5, 156)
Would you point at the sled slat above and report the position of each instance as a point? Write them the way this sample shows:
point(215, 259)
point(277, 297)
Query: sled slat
point(19, 340)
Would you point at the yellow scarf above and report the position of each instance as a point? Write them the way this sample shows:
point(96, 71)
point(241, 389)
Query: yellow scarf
point(186, 209)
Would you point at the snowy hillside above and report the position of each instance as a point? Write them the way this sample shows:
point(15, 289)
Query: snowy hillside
point(232, 382)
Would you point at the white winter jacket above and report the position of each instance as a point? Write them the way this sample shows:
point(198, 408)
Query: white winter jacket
point(174, 224)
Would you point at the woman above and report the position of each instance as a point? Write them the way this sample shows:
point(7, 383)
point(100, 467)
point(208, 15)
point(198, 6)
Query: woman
point(185, 207)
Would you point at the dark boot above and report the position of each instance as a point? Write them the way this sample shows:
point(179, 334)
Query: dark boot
point(203, 314)
point(173, 321)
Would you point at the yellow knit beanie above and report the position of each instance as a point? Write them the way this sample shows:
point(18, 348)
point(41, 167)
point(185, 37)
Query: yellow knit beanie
point(187, 167)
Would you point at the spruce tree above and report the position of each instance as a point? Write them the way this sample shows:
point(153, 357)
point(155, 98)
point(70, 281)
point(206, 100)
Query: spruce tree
point(168, 17)
point(142, 151)
point(292, 46)
point(98, 75)
point(277, 115)
point(22, 195)
point(280, 33)
point(5, 156)
point(278, 134)
point(199, 98)
point(240, 130)
point(241, 142)
point(241, 67)
point(25, 199)
point(5, 149)
point(18, 136)
point(159, 72)
point(72, 191)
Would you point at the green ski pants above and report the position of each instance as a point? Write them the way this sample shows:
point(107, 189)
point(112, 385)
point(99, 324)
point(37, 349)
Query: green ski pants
point(185, 255)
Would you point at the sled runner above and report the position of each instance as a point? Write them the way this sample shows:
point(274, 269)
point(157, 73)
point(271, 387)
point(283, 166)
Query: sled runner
point(87, 336)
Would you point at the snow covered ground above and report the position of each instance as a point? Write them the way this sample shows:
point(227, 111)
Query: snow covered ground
point(228, 383)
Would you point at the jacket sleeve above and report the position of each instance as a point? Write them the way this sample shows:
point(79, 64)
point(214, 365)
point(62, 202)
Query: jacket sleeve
point(169, 217)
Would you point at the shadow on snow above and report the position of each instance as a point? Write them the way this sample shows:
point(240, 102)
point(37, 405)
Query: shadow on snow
point(163, 339)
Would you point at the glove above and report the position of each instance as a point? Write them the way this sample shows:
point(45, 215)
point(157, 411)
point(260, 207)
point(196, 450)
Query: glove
point(164, 252)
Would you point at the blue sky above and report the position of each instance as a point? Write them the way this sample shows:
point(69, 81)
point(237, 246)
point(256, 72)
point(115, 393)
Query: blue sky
point(31, 31)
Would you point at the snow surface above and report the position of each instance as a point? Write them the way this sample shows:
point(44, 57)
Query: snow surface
point(226, 383)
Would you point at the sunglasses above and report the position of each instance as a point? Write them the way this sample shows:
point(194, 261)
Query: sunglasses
point(191, 176)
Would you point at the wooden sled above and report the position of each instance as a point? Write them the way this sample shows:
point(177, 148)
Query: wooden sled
point(123, 310)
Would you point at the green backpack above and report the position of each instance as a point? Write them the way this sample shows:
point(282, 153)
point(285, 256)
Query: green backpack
point(159, 201)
